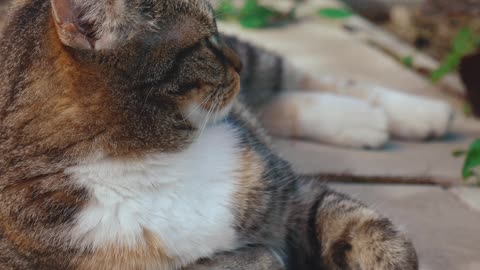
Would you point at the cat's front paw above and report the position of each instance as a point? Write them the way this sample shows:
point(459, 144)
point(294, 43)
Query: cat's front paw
point(328, 118)
point(353, 236)
point(413, 117)
point(374, 244)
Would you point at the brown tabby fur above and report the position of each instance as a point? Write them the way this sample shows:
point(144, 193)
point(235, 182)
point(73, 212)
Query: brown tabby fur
point(59, 104)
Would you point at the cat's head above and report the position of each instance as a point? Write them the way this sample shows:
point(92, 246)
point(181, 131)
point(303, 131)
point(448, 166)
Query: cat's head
point(146, 75)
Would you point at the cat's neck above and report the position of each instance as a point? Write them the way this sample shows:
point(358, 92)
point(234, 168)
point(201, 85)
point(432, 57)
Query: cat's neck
point(213, 150)
point(168, 194)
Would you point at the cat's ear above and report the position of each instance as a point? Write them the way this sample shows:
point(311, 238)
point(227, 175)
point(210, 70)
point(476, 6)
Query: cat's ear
point(91, 24)
point(69, 29)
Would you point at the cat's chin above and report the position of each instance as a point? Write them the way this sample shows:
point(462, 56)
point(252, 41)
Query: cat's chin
point(200, 117)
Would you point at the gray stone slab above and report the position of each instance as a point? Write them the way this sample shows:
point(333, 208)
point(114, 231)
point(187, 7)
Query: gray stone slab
point(444, 231)
point(432, 161)
point(410, 161)
point(470, 196)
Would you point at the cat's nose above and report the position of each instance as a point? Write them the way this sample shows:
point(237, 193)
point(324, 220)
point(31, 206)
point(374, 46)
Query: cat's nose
point(222, 50)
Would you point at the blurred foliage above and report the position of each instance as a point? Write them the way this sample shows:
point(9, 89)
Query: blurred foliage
point(335, 13)
point(253, 14)
point(408, 61)
point(226, 10)
point(467, 110)
point(459, 153)
point(472, 161)
point(464, 43)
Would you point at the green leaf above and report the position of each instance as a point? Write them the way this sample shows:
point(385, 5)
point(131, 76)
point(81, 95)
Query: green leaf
point(226, 10)
point(335, 13)
point(254, 15)
point(473, 159)
point(464, 43)
point(448, 66)
point(408, 61)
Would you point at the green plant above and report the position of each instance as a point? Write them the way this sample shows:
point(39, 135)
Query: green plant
point(464, 43)
point(335, 13)
point(408, 61)
point(226, 10)
point(472, 161)
point(252, 14)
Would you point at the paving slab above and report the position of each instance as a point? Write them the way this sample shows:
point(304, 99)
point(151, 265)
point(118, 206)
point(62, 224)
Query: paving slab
point(408, 161)
point(429, 162)
point(470, 196)
point(445, 233)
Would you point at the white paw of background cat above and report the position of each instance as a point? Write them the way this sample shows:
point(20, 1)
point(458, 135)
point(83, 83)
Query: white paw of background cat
point(414, 117)
point(329, 118)
point(354, 122)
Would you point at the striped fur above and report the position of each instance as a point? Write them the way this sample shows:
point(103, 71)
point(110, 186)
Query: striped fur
point(124, 131)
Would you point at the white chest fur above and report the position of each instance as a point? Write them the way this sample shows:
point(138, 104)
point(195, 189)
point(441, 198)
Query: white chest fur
point(183, 198)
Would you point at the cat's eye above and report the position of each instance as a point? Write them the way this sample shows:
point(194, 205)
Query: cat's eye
point(222, 51)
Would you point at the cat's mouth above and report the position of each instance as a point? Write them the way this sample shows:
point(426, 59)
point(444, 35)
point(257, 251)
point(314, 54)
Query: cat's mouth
point(214, 106)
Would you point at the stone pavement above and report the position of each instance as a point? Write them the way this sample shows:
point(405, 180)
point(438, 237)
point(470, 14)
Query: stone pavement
point(442, 218)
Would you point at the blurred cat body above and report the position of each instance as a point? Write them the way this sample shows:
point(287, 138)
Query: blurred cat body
point(124, 147)
point(335, 110)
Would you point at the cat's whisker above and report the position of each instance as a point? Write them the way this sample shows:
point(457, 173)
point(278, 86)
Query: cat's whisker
point(197, 107)
point(216, 104)
point(214, 111)
point(224, 13)
point(205, 122)
point(146, 98)
point(204, 125)
point(211, 111)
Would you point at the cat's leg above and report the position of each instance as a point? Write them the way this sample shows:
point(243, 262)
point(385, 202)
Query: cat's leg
point(250, 258)
point(326, 117)
point(409, 116)
point(348, 234)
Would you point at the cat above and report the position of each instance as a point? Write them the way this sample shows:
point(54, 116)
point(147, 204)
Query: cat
point(124, 147)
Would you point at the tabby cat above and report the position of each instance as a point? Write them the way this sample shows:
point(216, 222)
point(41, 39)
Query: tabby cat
point(123, 147)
